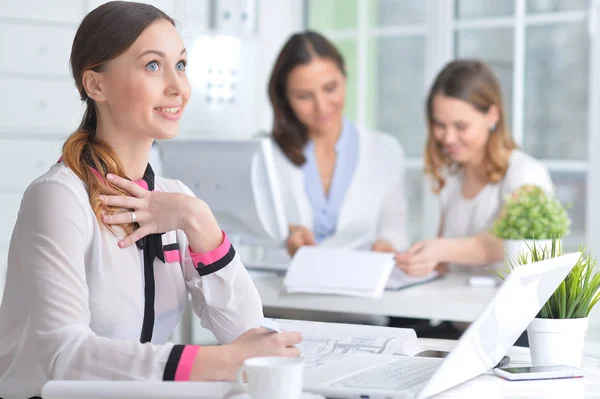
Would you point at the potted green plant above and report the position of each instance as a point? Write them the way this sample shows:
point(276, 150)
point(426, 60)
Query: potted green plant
point(530, 214)
point(557, 334)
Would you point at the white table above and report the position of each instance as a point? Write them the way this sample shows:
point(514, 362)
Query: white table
point(485, 386)
point(450, 298)
point(488, 385)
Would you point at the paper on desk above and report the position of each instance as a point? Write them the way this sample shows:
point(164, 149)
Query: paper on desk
point(398, 279)
point(339, 271)
point(325, 342)
point(135, 390)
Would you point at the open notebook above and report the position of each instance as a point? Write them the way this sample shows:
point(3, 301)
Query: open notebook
point(345, 272)
point(323, 343)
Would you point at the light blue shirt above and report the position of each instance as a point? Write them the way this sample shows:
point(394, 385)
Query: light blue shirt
point(325, 208)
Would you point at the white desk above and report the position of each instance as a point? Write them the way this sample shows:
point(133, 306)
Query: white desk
point(484, 386)
point(450, 298)
point(489, 385)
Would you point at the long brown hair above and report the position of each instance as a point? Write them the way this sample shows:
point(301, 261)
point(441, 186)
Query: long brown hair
point(300, 49)
point(474, 82)
point(104, 34)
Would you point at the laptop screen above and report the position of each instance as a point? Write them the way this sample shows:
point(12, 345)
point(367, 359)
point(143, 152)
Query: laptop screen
point(507, 315)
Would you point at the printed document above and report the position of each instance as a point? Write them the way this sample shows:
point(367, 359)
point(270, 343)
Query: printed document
point(324, 342)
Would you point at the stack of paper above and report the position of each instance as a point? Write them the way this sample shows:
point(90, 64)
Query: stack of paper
point(325, 342)
point(339, 271)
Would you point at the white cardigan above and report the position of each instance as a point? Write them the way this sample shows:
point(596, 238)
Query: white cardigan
point(464, 217)
point(374, 206)
point(74, 301)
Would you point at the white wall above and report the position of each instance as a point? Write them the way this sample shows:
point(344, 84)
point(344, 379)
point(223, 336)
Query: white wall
point(39, 105)
point(38, 102)
point(251, 112)
point(278, 19)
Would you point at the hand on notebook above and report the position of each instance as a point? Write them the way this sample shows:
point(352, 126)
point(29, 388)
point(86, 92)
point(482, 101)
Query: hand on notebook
point(299, 236)
point(220, 363)
point(261, 342)
point(422, 258)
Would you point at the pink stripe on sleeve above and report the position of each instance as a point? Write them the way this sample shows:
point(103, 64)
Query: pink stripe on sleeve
point(172, 256)
point(214, 255)
point(184, 368)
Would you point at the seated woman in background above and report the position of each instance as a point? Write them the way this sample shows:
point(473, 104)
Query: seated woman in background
point(100, 266)
point(474, 164)
point(343, 186)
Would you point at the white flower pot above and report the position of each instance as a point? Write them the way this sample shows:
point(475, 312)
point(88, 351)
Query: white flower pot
point(556, 342)
point(512, 249)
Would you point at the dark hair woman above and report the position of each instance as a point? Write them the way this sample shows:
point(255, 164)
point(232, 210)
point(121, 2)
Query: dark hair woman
point(343, 185)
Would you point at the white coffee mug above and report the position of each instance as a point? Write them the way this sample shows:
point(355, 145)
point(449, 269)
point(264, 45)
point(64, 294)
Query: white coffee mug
point(272, 377)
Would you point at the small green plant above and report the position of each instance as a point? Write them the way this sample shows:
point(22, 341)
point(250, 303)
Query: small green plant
point(576, 295)
point(530, 213)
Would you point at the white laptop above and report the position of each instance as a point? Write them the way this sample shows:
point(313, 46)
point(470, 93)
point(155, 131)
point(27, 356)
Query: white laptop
point(479, 349)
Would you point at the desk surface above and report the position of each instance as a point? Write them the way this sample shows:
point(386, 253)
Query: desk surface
point(450, 298)
point(447, 299)
point(485, 386)
point(488, 385)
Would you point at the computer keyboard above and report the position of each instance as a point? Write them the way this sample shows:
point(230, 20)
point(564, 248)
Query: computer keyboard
point(398, 375)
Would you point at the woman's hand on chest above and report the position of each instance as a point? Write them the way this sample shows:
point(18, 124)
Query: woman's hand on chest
point(159, 212)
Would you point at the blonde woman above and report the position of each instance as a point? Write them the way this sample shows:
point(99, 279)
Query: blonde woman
point(474, 163)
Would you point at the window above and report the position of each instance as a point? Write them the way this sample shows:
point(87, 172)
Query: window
point(383, 43)
point(540, 49)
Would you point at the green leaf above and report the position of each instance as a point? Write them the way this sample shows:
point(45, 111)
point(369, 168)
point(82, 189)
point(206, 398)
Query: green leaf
point(530, 213)
point(576, 295)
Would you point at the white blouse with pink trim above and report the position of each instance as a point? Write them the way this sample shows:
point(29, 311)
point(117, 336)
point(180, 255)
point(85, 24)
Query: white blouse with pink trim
point(73, 306)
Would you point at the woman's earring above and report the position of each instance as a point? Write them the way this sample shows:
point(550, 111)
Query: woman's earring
point(492, 127)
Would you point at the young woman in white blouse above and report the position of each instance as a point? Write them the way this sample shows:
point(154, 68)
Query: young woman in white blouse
point(474, 163)
point(100, 266)
point(342, 185)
